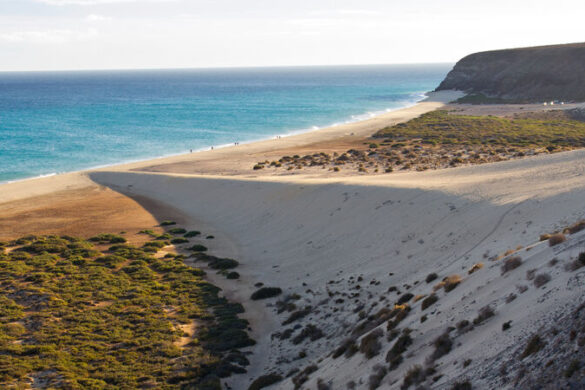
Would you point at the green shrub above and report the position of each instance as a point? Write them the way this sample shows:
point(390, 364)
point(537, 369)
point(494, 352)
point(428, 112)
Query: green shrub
point(177, 231)
point(97, 326)
point(198, 248)
point(232, 275)
point(179, 240)
point(266, 292)
point(108, 238)
point(192, 233)
point(167, 223)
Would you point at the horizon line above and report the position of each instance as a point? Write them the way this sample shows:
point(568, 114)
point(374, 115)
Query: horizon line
point(122, 69)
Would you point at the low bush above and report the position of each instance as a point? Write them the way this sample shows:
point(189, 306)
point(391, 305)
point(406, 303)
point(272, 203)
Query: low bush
point(534, 345)
point(511, 263)
point(232, 275)
point(431, 277)
point(297, 315)
point(428, 301)
point(576, 227)
point(404, 298)
point(309, 331)
point(265, 381)
point(462, 386)
point(266, 292)
point(414, 376)
point(348, 348)
point(556, 239)
point(179, 240)
point(198, 248)
point(167, 223)
point(443, 345)
point(377, 376)
point(541, 279)
point(370, 344)
point(303, 376)
point(448, 283)
point(394, 355)
point(483, 314)
point(222, 263)
point(573, 367)
point(191, 234)
point(108, 238)
point(474, 268)
point(177, 231)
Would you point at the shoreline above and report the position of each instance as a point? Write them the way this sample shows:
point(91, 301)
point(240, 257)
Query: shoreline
point(354, 118)
point(16, 189)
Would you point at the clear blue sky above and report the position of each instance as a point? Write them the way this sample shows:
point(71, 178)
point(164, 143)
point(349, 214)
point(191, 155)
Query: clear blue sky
point(102, 34)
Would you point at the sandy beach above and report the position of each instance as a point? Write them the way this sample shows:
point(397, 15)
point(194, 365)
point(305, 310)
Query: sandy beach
point(348, 245)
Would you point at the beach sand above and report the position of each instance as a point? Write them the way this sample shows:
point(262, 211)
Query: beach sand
point(319, 236)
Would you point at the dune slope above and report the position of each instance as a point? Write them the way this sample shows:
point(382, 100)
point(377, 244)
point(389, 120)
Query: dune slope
point(319, 239)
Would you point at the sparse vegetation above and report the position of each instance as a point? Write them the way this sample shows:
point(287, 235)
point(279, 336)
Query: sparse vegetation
point(177, 231)
point(191, 234)
point(83, 318)
point(108, 238)
point(167, 223)
point(179, 240)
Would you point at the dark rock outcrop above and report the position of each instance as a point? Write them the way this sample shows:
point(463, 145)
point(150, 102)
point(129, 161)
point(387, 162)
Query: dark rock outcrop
point(533, 74)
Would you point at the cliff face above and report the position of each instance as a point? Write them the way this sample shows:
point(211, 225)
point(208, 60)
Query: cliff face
point(532, 74)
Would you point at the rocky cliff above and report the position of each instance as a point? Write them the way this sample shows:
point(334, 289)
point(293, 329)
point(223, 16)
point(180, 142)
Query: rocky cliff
point(533, 74)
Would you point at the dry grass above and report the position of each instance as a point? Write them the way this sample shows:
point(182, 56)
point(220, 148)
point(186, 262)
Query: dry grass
point(448, 283)
point(476, 267)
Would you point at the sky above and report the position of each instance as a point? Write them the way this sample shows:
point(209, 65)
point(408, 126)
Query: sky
point(137, 34)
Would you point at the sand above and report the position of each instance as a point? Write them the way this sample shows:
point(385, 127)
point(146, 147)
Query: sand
point(320, 237)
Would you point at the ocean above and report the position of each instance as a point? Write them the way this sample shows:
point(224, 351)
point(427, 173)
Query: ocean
point(55, 122)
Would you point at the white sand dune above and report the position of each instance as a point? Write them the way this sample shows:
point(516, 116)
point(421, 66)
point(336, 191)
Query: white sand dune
point(311, 236)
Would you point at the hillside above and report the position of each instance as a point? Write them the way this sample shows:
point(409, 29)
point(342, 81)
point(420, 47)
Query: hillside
point(533, 74)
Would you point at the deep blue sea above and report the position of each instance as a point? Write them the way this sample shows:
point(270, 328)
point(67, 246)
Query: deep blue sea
point(54, 122)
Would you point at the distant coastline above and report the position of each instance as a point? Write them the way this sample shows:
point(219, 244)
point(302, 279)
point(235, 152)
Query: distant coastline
point(91, 127)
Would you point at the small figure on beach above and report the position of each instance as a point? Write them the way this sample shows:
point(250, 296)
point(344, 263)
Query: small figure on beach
point(190, 150)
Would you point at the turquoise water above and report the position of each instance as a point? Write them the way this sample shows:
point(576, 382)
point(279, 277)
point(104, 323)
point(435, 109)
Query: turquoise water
point(54, 122)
